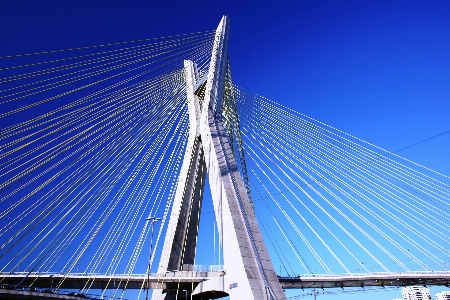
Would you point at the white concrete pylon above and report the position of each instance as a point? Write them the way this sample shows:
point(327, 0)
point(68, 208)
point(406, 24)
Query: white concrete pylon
point(249, 270)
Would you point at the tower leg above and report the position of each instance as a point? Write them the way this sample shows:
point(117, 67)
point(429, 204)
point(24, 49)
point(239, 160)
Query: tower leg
point(249, 270)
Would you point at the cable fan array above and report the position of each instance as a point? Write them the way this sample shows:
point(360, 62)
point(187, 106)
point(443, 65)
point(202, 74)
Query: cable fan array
point(92, 141)
point(331, 203)
point(91, 145)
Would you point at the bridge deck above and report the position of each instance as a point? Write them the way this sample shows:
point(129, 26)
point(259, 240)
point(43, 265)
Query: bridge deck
point(362, 280)
point(179, 279)
point(99, 281)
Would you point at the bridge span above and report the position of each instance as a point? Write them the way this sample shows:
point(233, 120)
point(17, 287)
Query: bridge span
point(184, 279)
point(363, 280)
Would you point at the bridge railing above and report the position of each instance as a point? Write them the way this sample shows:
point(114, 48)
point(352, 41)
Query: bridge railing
point(195, 268)
point(208, 268)
point(220, 268)
point(367, 274)
point(42, 291)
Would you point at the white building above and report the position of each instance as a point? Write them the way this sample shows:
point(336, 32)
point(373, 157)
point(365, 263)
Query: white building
point(443, 295)
point(416, 293)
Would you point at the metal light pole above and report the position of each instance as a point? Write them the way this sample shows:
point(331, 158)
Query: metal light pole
point(152, 220)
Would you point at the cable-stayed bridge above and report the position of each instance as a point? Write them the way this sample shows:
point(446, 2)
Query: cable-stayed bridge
point(98, 141)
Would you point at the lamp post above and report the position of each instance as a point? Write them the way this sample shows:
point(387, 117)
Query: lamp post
point(152, 220)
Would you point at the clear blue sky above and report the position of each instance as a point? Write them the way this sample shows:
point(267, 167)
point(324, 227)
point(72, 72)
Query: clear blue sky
point(379, 70)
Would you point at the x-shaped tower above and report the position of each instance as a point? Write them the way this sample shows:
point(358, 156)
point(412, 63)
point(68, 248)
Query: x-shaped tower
point(215, 147)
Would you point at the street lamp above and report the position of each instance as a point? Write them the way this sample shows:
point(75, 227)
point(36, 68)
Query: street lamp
point(152, 220)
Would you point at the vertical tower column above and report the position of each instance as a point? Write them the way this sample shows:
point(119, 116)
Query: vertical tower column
point(249, 270)
point(181, 237)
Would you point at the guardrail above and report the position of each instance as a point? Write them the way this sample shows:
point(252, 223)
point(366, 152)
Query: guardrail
point(366, 279)
point(195, 268)
point(366, 274)
point(41, 291)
